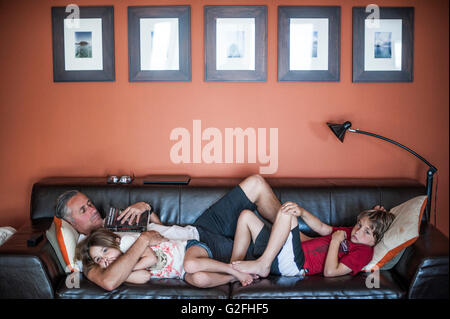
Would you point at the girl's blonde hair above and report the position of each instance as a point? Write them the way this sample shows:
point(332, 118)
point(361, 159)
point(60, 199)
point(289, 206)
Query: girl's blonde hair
point(100, 237)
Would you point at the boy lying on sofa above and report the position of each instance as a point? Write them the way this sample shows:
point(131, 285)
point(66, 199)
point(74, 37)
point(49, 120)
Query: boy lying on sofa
point(338, 251)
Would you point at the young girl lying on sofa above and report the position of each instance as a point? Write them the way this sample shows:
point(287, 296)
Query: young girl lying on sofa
point(165, 260)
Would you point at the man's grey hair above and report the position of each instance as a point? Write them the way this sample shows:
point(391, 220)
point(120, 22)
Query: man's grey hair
point(62, 211)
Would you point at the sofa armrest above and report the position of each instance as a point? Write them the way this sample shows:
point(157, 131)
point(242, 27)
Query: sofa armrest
point(28, 272)
point(423, 267)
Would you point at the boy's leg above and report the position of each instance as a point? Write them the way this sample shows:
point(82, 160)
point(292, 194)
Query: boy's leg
point(197, 260)
point(259, 192)
point(280, 232)
point(248, 228)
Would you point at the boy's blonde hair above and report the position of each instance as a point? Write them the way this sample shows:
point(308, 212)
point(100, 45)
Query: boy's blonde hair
point(100, 237)
point(380, 221)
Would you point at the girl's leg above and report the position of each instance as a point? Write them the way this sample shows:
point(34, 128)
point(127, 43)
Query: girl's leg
point(217, 273)
point(280, 231)
point(247, 229)
point(204, 279)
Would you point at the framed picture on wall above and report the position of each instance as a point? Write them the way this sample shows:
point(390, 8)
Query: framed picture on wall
point(83, 43)
point(235, 43)
point(309, 43)
point(159, 43)
point(383, 44)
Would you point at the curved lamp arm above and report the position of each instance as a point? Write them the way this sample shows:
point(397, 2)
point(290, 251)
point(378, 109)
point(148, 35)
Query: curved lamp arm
point(340, 129)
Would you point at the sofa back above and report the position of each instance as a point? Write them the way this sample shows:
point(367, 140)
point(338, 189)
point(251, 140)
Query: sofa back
point(336, 202)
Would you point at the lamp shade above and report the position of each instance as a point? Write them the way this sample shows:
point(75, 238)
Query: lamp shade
point(339, 129)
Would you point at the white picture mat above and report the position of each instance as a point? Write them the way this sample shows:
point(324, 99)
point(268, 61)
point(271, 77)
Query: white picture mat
point(73, 63)
point(235, 44)
point(301, 44)
point(159, 44)
point(394, 26)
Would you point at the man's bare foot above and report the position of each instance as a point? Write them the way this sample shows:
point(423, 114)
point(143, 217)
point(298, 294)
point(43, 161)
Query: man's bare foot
point(251, 267)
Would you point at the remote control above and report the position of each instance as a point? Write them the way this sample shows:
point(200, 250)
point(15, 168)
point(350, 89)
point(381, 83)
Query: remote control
point(35, 239)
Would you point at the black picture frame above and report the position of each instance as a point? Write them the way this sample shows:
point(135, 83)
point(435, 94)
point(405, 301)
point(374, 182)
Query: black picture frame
point(60, 74)
point(259, 13)
point(406, 14)
point(333, 14)
point(183, 14)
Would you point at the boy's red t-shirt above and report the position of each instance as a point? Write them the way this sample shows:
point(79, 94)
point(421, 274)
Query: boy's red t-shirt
point(355, 257)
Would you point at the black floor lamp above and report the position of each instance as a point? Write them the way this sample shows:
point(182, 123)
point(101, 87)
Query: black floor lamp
point(340, 129)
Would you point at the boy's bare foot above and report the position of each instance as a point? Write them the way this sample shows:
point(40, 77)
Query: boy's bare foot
point(251, 267)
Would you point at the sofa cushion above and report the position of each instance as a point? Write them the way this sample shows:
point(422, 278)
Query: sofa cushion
point(336, 201)
point(153, 289)
point(319, 287)
point(5, 233)
point(403, 231)
point(63, 238)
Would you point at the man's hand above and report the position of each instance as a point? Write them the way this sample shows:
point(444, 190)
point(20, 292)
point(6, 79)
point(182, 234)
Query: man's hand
point(339, 236)
point(153, 237)
point(133, 211)
point(292, 209)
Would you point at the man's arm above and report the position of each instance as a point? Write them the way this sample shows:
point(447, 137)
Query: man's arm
point(333, 267)
point(155, 219)
point(312, 221)
point(113, 276)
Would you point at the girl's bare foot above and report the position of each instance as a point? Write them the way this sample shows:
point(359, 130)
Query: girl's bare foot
point(251, 267)
point(244, 278)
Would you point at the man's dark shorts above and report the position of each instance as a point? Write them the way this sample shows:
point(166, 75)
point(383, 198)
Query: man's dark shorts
point(217, 225)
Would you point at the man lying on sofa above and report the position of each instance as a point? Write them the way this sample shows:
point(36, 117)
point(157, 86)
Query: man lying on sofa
point(216, 226)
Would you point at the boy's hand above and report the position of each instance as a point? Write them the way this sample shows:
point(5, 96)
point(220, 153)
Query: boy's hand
point(292, 209)
point(379, 207)
point(339, 236)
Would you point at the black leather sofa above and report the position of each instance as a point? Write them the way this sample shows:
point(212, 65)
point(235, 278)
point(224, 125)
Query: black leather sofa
point(422, 271)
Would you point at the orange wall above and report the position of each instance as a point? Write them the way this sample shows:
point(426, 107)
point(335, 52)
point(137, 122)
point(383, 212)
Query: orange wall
point(85, 129)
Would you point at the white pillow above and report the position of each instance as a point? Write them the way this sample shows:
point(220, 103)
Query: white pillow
point(66, 241)
point(5, 233)
point(403, 232)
